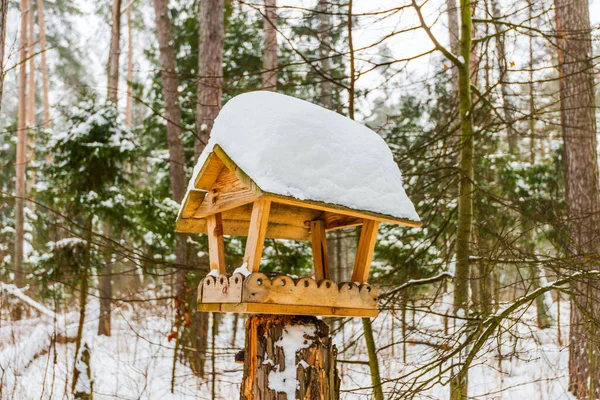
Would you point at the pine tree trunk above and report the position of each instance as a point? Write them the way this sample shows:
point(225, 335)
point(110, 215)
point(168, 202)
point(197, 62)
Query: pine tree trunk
point(270, 62)
point(171, 97)
point(43, 64)
point(114, 52)
point(105, 284)
point(453, 34)
point(129, 104)
point(459, 383)
point(84, 288)
point(576, 71)
point(3, 15)
point(267, 359)
point(21, 150)
point(324, 37)
point(177, 172)
point(210, 67)
point(507, 106)
point(31, 83)
point(112, 90)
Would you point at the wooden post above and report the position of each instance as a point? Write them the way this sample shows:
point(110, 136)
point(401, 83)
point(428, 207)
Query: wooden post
point(216, 246)
point(364, 251)
point(270, 359)
point(256, 233)
point(319, 249)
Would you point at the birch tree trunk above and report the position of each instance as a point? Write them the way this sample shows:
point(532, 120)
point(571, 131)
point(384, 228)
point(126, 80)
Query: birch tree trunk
point(21, 150)
point(576, 71)
point(210, 67)
point(270, 62)
point(3, 15)
point(43, 64)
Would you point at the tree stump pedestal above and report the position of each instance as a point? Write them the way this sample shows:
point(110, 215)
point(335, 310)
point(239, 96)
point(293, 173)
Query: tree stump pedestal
point(289, 357)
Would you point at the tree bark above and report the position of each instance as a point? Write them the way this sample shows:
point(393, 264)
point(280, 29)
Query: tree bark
point(324, 37)
point(453, 34)
point(21, 150)
point(459, 382)
point(31, 91)
point(43, 64)
point(197, 339)
point(83, 294)
point(210, 67)
point(270, 62)
point(171, 97)
point(114, 52)
point(112, 96)
point(577, 101)
point(129, 104)
point(373, 361)
point(266, 358)
point(507, 106)
point(3, 15)
point(105, 284)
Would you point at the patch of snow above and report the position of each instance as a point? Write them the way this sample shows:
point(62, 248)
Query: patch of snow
point(291, 147)
point(292, 340)
point(243, 269)
point(214, 273)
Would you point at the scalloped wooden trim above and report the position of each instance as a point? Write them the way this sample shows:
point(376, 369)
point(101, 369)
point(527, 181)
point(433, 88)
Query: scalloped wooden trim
point(257, 288)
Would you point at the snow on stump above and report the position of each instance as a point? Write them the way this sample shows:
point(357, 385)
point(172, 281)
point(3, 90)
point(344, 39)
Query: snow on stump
point(289, 357)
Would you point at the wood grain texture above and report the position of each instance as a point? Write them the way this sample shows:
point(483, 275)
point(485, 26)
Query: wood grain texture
point(319, 249)
point(287, 309)
point(216, 245)
point(364, 251)
point(256, 233)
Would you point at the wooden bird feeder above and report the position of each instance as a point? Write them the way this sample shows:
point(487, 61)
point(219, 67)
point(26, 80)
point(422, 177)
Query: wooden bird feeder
point(230, 197)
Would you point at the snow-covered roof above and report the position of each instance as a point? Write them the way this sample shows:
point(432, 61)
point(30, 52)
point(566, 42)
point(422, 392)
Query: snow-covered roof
point(290, 147)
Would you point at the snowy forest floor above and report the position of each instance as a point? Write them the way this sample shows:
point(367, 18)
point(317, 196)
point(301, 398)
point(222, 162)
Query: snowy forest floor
point(137, 361)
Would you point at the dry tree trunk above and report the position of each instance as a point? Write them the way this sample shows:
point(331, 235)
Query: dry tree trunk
point(210, 67)
point(271, 359)
point(21, 150)
point(270, 62)
point(43, 64)
point(3, 15)
point(576, 71)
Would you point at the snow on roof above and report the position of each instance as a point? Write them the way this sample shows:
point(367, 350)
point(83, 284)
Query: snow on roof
point(291, 147)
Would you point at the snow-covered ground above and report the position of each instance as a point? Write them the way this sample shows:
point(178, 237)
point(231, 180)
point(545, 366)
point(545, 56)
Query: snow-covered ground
point(137, 361)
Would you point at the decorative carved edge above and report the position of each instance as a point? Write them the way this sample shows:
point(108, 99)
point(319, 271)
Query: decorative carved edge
point(259, 288)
